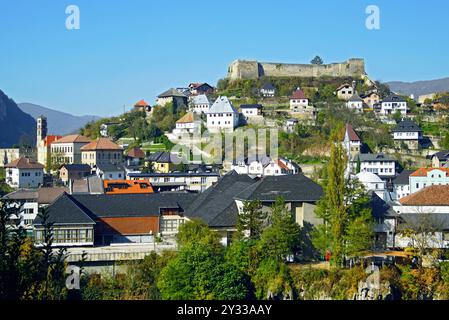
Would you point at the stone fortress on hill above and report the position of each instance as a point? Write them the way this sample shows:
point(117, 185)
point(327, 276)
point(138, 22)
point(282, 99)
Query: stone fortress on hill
point(244, 69)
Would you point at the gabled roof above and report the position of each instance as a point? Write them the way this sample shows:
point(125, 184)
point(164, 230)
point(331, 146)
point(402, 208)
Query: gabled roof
point(431, 196)
point(407, 125)
point(344, 85)
point(442, 155)
point(171, 93)
point(355, 98)
point(293, 188)
point(222, 105)
point(65, 210)
point(109, 167)
point(379, 207)
point(403, 178)
point(187, 118)
point(375, 157)
point(136, 153)
point(73, 138)
point(394, 98)
point(77, 167)
point(25, 163)
point(216, 206)
point(163, 157)
point(48, 195)
point(353, 136)
point(298, 94)
point(89, 185)
point(422, 172)
point(200, 99)
point(101, 144)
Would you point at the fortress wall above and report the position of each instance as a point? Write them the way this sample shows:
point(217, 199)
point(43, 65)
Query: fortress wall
point(241, 69)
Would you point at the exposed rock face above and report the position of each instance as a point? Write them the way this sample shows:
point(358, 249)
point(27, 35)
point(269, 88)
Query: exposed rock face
point(15, 125)
point(243, 69)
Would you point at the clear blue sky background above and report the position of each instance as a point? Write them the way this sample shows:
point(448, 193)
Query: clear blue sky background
point(134, 49)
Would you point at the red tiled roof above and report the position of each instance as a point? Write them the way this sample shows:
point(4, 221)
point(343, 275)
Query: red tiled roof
point(422, 172)
point(25, 163)
point(430, 196)
point(141, 103)
point(136, 153)
point(353, 136)
point(298, 94)
point(101, 144)
point(50, 139)
point(73, 138)
point(282, 165)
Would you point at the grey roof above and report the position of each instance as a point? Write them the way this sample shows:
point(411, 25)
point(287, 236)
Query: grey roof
point(21, 194)
point(109, 167)
point(433, 221)
point(394, 98)
point(200, 99)
point(407, 125)
point(442, 155)
point(355, 98)
point(403, 177)
point(164, 157)
point(85, 209)
point(268, 86)
point(379, 207)
point(66, 211)
point(216, 206)
point(375, 157)
point(293, 188)
point(133, 205)
point(222, 105)
point(172, 174)
point(171, 93)
point(89, 185)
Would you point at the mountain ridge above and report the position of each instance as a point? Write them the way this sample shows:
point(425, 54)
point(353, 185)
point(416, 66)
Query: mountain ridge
point(421, 87)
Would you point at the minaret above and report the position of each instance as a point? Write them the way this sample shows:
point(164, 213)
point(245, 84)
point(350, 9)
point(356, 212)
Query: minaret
point(41, 129)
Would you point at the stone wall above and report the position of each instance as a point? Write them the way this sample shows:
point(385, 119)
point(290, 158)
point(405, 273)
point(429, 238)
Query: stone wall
point(243, 69)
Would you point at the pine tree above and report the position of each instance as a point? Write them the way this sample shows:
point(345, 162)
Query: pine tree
point(251, 220)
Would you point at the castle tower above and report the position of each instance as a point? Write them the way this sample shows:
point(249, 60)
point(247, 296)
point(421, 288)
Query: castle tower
point(41, 129)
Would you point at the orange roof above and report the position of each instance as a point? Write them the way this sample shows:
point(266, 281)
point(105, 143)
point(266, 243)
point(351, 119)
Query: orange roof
point(422, 172)
point(187, 118)
point(73, 138)
point(353, 136)
point(141, 103)
point(127, 187)
point(298, 94)
point(282, 165)
point(430, 196)
point(101, 144)
point(25, 163)
point(50, 139)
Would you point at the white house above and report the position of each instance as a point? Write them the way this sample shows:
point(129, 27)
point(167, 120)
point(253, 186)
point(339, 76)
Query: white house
point(426, 211)
point(67, 150)
point(298, 100)
point(355, 103)
point(188, 124)
point(372, 182)
point(251, 110)
point(290, 125)
point(24, 173)
point(392, 104)
point(108, 171)
point(266, 167)
point(352, 142)
point(380, 164)
point(426, 177)
point(345, 91)
point(409, 133)
point(268, 90)
point(222, 115)
point(401, 185)
point(199, 104)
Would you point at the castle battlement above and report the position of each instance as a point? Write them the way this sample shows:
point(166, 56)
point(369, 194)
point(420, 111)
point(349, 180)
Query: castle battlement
point(246, 69)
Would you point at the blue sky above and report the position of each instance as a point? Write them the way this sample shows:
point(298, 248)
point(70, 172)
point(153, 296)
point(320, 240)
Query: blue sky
point(134, 49)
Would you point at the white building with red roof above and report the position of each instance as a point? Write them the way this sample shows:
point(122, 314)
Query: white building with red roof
point(67, 150)
point(24, 173)
point(298, 100)
point(352, 142)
